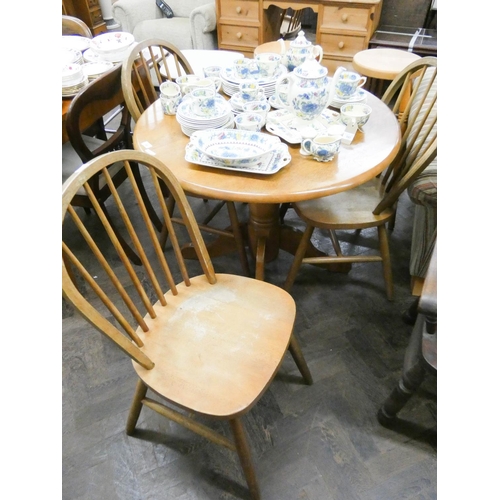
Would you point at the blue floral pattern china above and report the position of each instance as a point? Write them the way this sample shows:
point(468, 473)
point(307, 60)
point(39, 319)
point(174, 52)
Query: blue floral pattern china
point(234, 147)
point(270, 163)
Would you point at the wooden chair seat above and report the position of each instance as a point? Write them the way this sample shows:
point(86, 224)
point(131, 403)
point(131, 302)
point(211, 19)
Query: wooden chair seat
point(212, 340)
point(348, 210)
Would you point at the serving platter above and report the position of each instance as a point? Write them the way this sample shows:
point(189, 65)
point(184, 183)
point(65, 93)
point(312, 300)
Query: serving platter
point(269, 164)
point(234, 147)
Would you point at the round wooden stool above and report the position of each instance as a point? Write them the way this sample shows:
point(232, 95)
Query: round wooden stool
point(274, 47)
point(381, 65)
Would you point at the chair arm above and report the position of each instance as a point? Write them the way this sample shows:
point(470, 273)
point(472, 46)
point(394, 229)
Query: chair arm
point(129, 13)
point(203, 21)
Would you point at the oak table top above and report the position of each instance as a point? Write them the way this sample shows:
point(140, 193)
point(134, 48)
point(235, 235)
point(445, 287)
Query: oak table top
point(303, 178)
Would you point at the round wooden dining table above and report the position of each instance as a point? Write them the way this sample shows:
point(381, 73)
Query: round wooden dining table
point(303, 178)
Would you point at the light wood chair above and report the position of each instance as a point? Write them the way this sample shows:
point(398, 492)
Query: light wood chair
point(204, 344)
point(88, 139)
point(74, 26)
point(373, 204)
point(150, 63)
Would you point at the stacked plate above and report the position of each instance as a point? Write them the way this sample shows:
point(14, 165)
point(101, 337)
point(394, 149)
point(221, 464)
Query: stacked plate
point(76, 42)
point(113, 46)
point(231, 81)
point(220, 116)
point(238, 150)
point(71, 56)
point(92, 70)
point(73, 79)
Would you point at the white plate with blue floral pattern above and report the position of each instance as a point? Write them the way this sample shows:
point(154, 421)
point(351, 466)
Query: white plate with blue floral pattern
point(234, 147)
point(268, 164)
point(218, 115)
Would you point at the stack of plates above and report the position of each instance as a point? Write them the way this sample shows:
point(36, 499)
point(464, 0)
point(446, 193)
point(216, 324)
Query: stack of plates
point(231, 81)
point(221, 116)
point(73, 79)
point(71, 56)
point(238, 150)
point(94, 69)
point(76, 42)
point(113, 46)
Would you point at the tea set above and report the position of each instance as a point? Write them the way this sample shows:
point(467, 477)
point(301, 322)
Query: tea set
point(294, 83)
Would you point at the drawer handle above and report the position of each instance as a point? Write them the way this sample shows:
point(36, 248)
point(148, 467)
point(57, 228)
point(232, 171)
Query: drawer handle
point(238, 35)
point(238, 10)
point(341, 45)
point(344, 18)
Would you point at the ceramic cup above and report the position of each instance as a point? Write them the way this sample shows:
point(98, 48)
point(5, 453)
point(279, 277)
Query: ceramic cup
point(249, 121)
point(210, 71)
point(321, 147)
point(259, 107)
point(357, 112)
point(242, 67)
point(186, 83)
point(170, 97)
point(203, 101)
point(249, 90)
point(268, 63)
point(348, 83)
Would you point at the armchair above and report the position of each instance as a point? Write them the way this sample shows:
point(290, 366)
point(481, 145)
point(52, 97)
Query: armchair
point(192, 27)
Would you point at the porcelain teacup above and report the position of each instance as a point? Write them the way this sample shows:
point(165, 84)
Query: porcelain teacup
point(210, 71)
point(186, 82)
point(249, 121)
point(203, 101)
point(347, 84)
point(249, 91)
point(268, 63)
point(170, 97)
point(260, 107)
point(322, 147)
point(355, 112)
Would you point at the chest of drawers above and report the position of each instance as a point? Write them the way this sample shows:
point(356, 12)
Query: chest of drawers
point(344, 27)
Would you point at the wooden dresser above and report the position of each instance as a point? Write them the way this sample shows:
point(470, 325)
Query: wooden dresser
point(344, 27)
point(89, 11)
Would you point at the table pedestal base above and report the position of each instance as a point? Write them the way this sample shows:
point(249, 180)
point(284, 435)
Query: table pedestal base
point(265, 236)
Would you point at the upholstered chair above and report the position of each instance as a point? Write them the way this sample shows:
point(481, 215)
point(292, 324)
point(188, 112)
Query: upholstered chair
point(193, 25)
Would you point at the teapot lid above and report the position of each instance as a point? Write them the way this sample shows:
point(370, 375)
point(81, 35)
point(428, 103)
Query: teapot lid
point(300, 41)
point(310, 68)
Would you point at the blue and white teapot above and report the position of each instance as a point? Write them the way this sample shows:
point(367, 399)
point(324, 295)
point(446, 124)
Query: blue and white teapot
point(299, 52)
point(306, 91)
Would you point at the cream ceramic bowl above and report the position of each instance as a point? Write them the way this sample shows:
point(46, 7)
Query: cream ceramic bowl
point(358, 112)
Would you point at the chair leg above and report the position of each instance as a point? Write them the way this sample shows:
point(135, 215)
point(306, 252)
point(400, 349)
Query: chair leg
point(238, 237)
point(299, 255)
point(386, 260)
point(298, 357)
point(243, 451)
point(412, 377)
point(214, 212)
point(335, 242)
point(135, 410)
point(283, 210)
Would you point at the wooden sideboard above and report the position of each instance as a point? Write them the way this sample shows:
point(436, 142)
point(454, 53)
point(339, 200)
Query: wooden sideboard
point(89, 11)
point(344, 27)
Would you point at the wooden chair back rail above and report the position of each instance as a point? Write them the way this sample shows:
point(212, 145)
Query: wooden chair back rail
point(413, 139)
point(71, 262)
point(139, 249)
point(138, 70)
point(407, 178)
point(74, 26)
